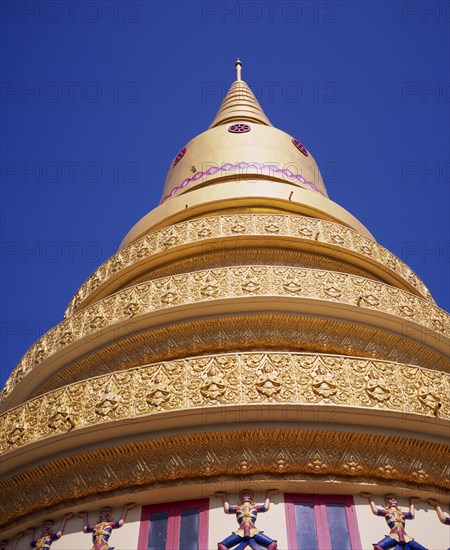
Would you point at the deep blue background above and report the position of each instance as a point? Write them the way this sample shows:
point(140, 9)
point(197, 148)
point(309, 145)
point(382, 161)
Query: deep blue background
point(364, 85)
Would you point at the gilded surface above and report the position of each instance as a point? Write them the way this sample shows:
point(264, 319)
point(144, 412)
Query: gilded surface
point(279, 455)
point(228, 379)
point(231, 282)
point(308, 229)
point(248, 332)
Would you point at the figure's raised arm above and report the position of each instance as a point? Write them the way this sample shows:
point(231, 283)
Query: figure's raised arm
point(269, 494)
point(439, 512)
point(66, 518)
point(373, 506)
point(84, 516)
point(128, 506)
point(32, 532)
point(223, 496)
point(17, 538)
point(412, 512)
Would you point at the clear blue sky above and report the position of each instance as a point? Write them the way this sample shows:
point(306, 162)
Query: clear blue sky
point(99, 96)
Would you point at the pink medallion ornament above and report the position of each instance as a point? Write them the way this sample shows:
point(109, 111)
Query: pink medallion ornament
point(239, 128)
point(300, 147)
point(179, 156)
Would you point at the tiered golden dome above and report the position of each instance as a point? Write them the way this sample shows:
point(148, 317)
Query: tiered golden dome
point(246, 286)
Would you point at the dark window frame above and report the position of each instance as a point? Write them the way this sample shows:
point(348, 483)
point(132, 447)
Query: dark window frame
point(174, 522)
point(321, 518)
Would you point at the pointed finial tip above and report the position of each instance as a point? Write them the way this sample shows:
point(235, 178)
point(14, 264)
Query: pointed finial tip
point(238, 66)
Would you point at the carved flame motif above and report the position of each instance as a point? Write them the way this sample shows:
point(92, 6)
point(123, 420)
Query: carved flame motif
point(250, 282)
point(131, 309)
point(324, 386)
point(333, 292)
point(106, 406)
point(96, 322)
point(406, 310)
point(291, 283)
point(367, 249)
point(239, 226)
point(40, 356)
point(116, 263)
point(209, 288)
point(305, 231)
point(428, 398)
point(142, 251)
point(204, 230)
point(338, 239)
point(66, 338)
point(171, 238)
point(62, 420)
point(438, 325)
point(377, 390)
point(391, 262)
point(170, 295)
point(272, 226)
point(368, 300)
point(16, 435)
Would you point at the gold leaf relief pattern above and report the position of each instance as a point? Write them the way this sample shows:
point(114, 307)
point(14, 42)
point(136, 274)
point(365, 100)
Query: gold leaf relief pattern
point(361, 458)
point(231, 379)
point(228, 283)
point(251, 224)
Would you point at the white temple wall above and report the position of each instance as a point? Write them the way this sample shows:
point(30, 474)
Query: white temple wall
point(425, 528)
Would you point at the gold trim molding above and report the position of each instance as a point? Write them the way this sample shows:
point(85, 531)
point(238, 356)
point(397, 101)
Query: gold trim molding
point(225, 380)
point(281, 454)
point(315, 231)
point(227, 283)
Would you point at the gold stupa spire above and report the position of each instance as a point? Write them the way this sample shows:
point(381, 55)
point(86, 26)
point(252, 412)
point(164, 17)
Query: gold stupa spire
point(240, 104)
point(238, 66)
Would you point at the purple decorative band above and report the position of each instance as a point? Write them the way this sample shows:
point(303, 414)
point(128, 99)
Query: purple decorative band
point(239, 167)
point(300, 147)
point(239, 128)
point(179, 156)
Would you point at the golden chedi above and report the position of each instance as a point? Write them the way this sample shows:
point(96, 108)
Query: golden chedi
point(250, 334)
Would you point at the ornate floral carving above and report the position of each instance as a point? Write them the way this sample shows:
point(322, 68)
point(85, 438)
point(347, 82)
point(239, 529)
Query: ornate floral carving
point(377, 390)
point(324, 386)
point(252, 224)
point(189, 458)
point(228, 283)
point(62, 420)
point(232, 379)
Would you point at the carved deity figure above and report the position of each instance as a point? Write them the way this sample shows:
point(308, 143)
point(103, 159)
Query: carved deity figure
point(397, 539)
point(48, 537)
point(267, 383)
point(246, 513)
point(102, 530)
point(213, 384)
